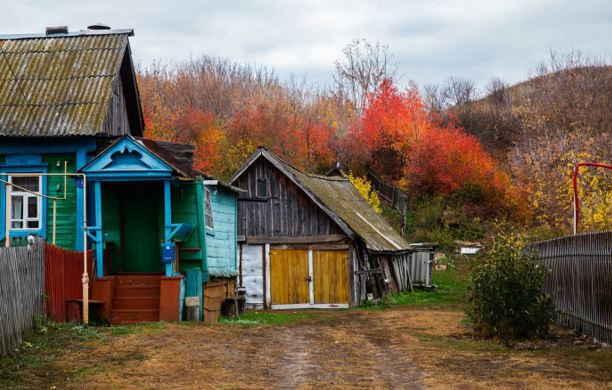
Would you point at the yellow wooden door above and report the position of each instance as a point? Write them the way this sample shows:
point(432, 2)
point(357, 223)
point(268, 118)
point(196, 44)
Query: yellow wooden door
point(289, 280)
point(330, 276)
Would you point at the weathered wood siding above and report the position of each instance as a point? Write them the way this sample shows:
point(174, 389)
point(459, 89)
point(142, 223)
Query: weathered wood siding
point(117, 120)
point(21, 292)
point(221, 240)
point(286, 211)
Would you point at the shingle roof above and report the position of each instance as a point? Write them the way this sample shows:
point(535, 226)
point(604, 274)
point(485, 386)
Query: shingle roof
point(58, 85)
point(340, 197)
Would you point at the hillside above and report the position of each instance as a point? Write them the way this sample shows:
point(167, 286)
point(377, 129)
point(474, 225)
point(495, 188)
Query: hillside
point(565, 101)
point(539, 129)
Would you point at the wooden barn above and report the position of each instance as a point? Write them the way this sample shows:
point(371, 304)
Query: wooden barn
point(311, 241)
point(75, 170)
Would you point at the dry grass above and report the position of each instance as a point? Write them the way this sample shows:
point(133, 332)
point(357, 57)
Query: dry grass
point(401, 347)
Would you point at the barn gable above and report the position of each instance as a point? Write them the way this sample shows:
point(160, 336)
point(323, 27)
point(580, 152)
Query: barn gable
point(335, 197)
point(284, 211)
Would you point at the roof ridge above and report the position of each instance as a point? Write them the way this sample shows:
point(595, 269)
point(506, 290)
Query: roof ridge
point(70, 34)
point(313, 175)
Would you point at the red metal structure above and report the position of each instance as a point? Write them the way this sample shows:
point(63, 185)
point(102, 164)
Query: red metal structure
point(576, 197)
point(63, 271)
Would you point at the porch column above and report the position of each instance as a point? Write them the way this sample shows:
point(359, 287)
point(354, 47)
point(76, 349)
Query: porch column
point(167, 220)
point(99, 243)
point(81, 159)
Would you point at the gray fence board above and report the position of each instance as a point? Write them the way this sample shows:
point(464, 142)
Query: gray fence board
point(580, 281)
point(22, 286)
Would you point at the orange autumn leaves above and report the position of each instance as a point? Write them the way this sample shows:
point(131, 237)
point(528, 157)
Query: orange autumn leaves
point(394, 135)
point(398, 138)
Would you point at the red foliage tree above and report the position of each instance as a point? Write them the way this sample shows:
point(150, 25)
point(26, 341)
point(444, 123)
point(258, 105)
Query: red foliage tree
point(391, 123)
point(446, 160)
point(399, 140)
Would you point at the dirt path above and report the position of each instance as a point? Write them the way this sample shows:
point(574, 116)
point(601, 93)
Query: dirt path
point(404, 348)
point(350, 350)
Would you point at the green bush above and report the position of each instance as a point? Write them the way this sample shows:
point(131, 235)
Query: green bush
point(506, 298)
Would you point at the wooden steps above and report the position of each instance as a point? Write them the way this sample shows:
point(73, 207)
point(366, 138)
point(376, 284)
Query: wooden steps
point(136, 299)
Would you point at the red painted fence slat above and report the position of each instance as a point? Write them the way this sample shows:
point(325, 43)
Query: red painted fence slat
point(63, 272)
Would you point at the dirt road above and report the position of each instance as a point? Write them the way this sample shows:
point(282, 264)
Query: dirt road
point(399, 348)
point(337, 350)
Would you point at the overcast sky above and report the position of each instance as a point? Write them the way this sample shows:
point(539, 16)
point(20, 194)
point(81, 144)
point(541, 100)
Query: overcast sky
point(431, 39)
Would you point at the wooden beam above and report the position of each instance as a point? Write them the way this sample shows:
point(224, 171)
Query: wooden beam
point(295, 240)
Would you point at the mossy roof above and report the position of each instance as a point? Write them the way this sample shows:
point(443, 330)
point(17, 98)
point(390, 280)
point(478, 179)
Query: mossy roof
point(58, 85)
point(339, 198)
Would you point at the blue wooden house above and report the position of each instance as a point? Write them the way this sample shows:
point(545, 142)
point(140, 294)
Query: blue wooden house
point(75, 170)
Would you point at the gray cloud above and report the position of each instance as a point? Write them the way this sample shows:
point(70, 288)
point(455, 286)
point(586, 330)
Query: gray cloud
point(431, 39)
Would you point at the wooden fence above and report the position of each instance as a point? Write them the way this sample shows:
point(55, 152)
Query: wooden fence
point(580, 281)
point(63, 270)
point(21, 292)
point(391, 195)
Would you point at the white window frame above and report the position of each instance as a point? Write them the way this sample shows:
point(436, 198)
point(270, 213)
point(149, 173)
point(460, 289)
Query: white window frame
point(208, 213)
point(16, 192)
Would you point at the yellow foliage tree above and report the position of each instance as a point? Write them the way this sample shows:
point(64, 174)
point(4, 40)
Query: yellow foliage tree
point(364, 186)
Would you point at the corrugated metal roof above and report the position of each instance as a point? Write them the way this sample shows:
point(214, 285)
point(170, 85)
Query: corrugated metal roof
point(340, 197)
point(58, 86)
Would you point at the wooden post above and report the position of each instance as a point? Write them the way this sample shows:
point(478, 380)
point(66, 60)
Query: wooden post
point(85, 278)
point(167, 220)
point(54, 218)
point(99, 243)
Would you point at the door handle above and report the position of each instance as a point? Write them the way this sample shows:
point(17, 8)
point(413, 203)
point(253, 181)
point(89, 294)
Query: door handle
point(308, 279)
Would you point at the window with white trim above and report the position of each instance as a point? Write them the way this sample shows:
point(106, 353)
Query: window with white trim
point(208, 208)
point(25, 206)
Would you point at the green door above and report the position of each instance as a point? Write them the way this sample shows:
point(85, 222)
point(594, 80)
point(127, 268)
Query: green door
point(140, 233)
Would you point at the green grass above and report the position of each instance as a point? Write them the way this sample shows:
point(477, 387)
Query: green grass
point(146, 327)
point(275, 317)
point(451, 289)
point(37, 355)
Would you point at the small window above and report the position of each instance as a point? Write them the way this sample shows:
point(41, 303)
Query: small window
point(208, 208)
point(25, 206)
point(262, 188)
